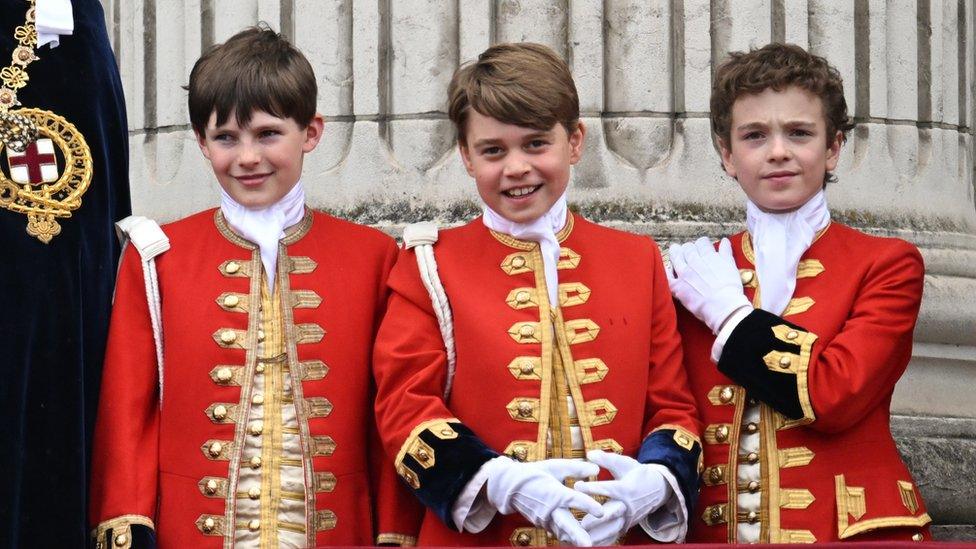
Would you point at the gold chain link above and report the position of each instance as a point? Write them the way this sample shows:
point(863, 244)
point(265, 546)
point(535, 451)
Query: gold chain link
point(14, 76)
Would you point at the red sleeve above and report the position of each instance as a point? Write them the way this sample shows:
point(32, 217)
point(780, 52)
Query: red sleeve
point(125, 455)
point(670, 403)
point(398, 512)
point(831, 385)
point(852, 373)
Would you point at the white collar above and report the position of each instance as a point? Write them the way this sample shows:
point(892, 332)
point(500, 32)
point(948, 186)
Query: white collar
point(265, 226)
point(542, 230)
point(779, 241)
point(53, 18)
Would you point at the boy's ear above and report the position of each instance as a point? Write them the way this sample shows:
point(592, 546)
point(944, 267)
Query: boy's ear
point(466, 157)
point(576, 139)
point(833, 151)
point(313, 133)
point(202, 143)
point(726, 153)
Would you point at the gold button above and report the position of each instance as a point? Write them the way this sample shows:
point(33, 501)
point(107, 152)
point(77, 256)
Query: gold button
point(224, 375)
point(523, 539)
point(717, 512)
point(215, 449)
point(716, 473)
point(259, 368)
point(231, 301)
point(726, 394)
point(917, 537)
point(527, 331)
point(524, 409)
point(260, 335)
point(518, 262)
point(751, 427)
point(211, 486)
point(254, 493)
point(752, 457)
point(232, 267)
point(792, 334)
point(746, 277)
point(219, 412)
point(121, 540)
point(752, 516)
point(257, 399)
point(254, 525)
point(255, 462)
point(423, 456)
point(527, 367)
point(722, 433)
point(683, 440)
point(753, 486)
point(228, 336)
point(257, 428)
point(521, 452)
point(209, 524)
point(522, 297)
point(785, 362)
point(447, 432)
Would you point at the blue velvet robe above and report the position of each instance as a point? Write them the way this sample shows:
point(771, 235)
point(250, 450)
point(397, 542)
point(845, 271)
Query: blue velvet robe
point(55, 298)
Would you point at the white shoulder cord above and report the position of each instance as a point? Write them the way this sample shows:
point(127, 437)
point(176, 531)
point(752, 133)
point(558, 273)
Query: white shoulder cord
point(421, 237)
point(150, 241)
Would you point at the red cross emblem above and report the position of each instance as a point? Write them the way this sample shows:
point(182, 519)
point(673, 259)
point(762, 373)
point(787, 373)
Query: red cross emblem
point(36, 165)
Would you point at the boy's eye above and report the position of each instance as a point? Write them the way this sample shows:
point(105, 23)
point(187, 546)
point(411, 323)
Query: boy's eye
point(753, 135)
point(269, 133)
point(491, 151)
point(223, 137)
point(802, 133)
point(537, 143)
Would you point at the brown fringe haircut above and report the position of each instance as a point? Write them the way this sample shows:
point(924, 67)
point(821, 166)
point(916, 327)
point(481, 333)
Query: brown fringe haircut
point(523, 84)
point(254, 70)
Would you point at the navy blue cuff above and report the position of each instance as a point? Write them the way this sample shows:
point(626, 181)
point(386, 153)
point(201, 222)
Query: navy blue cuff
point(769, 357)
point(682, 460)
point(439, 461)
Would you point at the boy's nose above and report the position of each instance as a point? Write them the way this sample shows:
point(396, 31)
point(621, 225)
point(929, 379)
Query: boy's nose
point(248, 156)
point(516, 167)
point(779, 149)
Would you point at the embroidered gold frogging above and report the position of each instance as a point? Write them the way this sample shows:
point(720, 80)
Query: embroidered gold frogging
point(31, 181)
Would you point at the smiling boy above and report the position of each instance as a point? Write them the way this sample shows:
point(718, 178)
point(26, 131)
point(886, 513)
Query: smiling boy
point(256, 431)
point(796, 330)
point(555, 359)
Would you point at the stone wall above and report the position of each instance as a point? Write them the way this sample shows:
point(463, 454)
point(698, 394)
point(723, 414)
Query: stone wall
point(643, 70)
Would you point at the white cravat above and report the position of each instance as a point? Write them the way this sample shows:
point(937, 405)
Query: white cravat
point(53, 18)
point(542, 230)
point(265, 226)
point(779, 240)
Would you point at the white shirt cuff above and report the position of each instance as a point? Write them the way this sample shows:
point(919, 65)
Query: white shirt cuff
point(723, 334)
point(472, 512)
point(669, 522)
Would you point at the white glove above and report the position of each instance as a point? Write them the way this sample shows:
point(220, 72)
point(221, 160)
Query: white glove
point(706, 281)
point(637, 491)
point(535, 489)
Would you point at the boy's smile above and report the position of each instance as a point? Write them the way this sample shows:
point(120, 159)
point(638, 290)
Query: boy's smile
point(258, 164)
point(520, 172)
point(779, 150)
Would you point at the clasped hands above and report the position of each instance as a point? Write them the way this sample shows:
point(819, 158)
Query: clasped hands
point(536, 491)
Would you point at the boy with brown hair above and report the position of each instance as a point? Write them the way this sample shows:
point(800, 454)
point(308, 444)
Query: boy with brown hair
point(256, 428)
point(808, 321)
point(520, 352)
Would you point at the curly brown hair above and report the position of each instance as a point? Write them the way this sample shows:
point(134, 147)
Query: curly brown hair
point(778, 66)
point(523, 84)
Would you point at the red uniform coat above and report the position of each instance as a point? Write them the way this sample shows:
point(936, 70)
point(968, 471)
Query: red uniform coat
point(614, 328)
point(824, 374)
point(152, 464)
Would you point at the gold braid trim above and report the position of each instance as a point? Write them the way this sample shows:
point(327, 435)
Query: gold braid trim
point(390, 538)
point(121, 528)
